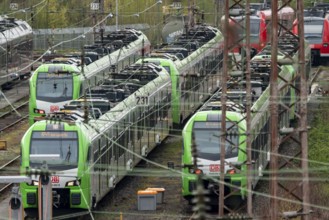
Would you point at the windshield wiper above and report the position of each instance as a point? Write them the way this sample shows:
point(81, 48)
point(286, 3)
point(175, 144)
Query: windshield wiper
point(68, 155)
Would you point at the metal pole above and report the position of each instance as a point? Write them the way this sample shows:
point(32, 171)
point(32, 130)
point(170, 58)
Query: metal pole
point(223, 119)
point(116, 15)
point(274, 114)
point(45, 197)
point(248, 110)
point(158, 34)
point(303, 111)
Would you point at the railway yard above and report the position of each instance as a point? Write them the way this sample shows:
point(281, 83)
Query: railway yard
point(123, 202)
point(218, 121)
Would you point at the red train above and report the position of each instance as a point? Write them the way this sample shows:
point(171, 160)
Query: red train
point(260, 28)
point(316, 32)
point(258, 33)
point(286, 17)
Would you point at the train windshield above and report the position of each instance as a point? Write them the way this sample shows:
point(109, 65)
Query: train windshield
point(54, 87)
point(313, 31)
point(254, 30)
point(63, 145)
point(208, 140)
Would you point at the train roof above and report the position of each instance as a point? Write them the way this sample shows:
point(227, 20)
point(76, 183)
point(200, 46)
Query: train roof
point(12, 28)
point(163, 55)
point(312, 18)
point(217, 105)
point(215, 116)
point(252, 17)
point(282, 12)
point(57, 68)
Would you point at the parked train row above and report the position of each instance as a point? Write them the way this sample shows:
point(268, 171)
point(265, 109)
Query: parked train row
point(147, 100)
point(53, 84)
point(260, 27)
point(316, 29)
point(16, 39)
point(203, 130)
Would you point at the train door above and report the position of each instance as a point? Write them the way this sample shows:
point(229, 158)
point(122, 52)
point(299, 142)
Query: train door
point(103, 165)
point(152, 112)
point(139, 130)
point(120, 146)
point(132, 135)
point(95, 172)
point(112, 172)
point(325, 39)
point(256, 155)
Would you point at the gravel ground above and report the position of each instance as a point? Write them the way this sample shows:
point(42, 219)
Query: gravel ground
point(124, 201)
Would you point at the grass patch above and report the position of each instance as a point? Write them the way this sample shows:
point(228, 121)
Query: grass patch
point(318, 139)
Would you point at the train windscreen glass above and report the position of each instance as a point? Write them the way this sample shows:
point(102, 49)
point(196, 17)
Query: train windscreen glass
point(313, 31)
point(254, 30)
point(62, 145)
point(54, 87)
point(208, 140)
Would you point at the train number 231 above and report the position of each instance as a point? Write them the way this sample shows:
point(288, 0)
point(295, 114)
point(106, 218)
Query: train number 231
point(142, 100)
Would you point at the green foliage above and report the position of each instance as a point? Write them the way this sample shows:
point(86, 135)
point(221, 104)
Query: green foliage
point(318, 138)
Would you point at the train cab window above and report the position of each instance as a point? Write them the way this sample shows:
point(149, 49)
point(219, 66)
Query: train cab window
point(313, 30)
point(63, 146)
point(54, 87)
point(208, 138)
point(254, 29)
point(167, 68)
point(24, 26)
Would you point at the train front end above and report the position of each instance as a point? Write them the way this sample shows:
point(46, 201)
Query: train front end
point(52, 86)
point(64, 150)
point(203, 131)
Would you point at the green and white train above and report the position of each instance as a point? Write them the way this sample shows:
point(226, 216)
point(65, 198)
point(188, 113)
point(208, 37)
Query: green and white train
point(204, 130)
point(96, 154)
point(53, 85)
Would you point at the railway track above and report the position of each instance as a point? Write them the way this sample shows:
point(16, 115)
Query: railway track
point(11, 119)
point(120, 197)
point(4, 169)
point(17, 113)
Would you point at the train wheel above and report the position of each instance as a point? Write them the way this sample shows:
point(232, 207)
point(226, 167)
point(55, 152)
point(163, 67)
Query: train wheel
point(234, 202)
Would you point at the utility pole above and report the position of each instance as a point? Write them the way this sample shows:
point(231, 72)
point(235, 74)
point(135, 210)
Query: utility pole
point(221, 198)
point(293, 193)
point(274, 118)
point(249, 99)
point(102, 24)
point(303, 113)
point(230, 27)
point(116, 15)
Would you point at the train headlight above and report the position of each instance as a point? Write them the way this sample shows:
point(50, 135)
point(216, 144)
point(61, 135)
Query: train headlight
point(33, 183)
point(73, 183)
point(325, 45)
point(196, 171)
point(232, 171)
point(39, 111)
